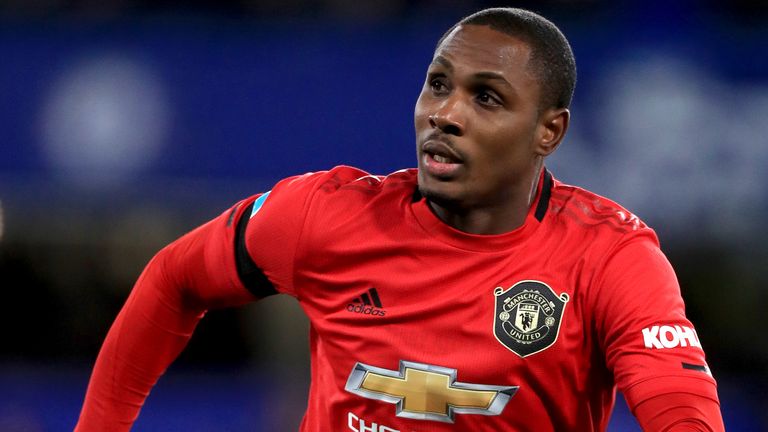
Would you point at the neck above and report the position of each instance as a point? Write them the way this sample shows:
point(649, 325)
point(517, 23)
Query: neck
point(494, 218)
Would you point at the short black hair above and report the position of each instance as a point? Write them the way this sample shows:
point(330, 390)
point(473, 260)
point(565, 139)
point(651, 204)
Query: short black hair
point(552, 59)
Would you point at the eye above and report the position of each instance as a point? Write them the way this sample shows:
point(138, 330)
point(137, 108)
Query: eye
point(489, 98)
point(438, 85)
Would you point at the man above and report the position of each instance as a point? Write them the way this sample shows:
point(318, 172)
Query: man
point(476, 293)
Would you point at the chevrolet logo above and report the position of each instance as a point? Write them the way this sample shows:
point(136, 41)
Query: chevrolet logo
point(427, 392)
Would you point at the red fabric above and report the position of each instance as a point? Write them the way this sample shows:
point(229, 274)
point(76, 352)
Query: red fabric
point(679, 412)
point(635, 292)
point(328, 238)
point(333, 239)
point(183, 280)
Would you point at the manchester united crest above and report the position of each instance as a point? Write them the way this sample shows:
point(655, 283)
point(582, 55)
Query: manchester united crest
point(528, 316)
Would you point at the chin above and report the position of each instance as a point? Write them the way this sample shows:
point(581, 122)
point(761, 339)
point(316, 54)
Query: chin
point(441, 197)
point(448, 193)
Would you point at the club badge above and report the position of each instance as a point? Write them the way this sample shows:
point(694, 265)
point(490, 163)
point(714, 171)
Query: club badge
point(528, 316)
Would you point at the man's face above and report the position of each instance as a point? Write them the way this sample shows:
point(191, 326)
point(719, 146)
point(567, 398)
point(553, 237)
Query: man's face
point(476, 119)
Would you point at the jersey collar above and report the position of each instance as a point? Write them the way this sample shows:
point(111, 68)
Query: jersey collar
point(486, 243)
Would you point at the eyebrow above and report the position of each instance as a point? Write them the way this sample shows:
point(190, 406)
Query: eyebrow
point(480, 75)
point(444, 62)
point(493, 76)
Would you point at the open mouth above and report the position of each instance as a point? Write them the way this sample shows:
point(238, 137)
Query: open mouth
point(441, 152)
point(439, 160)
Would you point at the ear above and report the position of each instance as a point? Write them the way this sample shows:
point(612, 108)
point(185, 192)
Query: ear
point(553, 123)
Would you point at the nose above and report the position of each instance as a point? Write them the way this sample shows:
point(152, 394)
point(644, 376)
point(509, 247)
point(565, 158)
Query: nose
point(449, 118)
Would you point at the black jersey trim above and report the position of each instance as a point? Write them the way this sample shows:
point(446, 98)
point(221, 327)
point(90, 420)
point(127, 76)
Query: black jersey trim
point(546, 193)
point(231, 217)
point(416, 197)
point(541, 208)
point(250, 274)
point(700, 368)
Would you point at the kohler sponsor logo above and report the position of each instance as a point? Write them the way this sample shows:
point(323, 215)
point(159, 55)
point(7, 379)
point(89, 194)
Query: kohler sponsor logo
point(670, 336)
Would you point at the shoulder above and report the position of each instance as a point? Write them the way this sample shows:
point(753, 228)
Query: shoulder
point(347, 178)
point(344, 178)
point(592, 229)
point(577, 206)
point(345, 184)
point(350, 207)
point(343, 191)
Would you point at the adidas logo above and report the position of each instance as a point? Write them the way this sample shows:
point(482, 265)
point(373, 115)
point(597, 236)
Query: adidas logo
point(368, 303)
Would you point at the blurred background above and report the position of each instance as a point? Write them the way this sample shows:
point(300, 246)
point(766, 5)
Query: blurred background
point(125, 123)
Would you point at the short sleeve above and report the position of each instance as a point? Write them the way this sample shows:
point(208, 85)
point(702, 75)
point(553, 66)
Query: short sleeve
point(649, 344)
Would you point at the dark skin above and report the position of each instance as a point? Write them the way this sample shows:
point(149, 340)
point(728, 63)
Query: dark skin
point(481, 132)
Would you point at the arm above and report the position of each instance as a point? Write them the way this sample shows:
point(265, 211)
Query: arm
point(649, 344)
point(245, 254)
point(181, 282)
point(679, 412)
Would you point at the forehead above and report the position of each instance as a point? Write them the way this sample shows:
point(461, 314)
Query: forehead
point(483, 48)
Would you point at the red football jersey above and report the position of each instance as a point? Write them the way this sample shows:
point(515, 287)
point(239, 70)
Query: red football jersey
point(416, 326)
